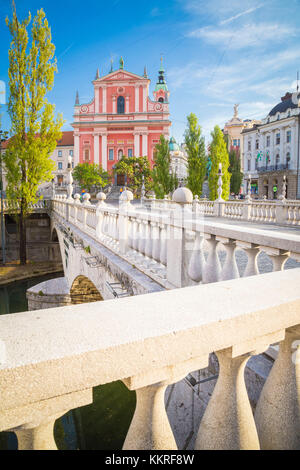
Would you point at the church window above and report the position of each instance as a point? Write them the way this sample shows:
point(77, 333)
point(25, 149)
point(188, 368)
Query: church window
point(111, 154)
point(130, 153)
point(120, 154)
point(86, 155)
point(121, 105)
point(161, 100)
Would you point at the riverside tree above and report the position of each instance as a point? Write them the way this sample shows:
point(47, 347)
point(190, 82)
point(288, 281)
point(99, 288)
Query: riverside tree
point(195, 148)
point(218, 154)
point(34, 128)
point(135, 168)
point(235, 171)
point(164, 181)
point(89, 175)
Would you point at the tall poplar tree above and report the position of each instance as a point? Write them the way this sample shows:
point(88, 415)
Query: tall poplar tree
point(195, 148)
point(218, 154)
point(164, 182)
point(235, 170)
point(34, 129)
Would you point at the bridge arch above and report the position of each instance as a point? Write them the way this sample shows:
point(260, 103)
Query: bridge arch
point(83, 290)
point(54, 235)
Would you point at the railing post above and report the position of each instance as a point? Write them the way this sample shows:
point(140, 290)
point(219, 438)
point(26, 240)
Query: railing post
point(252, 252)
point(277, 414)
point(86, 202)
point(100, 213)
point(230, 269)
point(123, 225)
point(197, 260)
point(278, 257)
point(177, 253)
point(76, 203)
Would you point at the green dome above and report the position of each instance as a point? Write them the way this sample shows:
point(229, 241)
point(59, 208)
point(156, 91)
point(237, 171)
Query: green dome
point(173, 146)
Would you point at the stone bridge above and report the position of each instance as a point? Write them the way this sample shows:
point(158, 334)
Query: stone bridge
point(230, 306)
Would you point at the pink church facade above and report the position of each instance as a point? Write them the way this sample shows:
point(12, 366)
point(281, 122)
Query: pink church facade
point(121, 119)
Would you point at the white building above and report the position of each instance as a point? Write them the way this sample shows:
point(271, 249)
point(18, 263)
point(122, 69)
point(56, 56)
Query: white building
point(178, 160)
point(272, 151)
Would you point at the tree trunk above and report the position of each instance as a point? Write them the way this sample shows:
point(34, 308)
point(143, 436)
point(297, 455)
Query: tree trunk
point(22, 225)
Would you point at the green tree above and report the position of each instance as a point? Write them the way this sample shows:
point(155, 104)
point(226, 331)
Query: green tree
point(134, 168)
point(235, 170)
point(195, 148)
point(164, 182)
point(218, 154)
point(89, 175)
point(34, 129)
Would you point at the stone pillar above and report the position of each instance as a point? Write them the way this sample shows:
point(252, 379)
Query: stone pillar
point(228, 422)
point(150, 428)
point(100, 214)
point(127, 104)
point(230, 269)
point(197, 260)
point(144, 99)
point(114, 104)
point(277, 414)
point(212, 267)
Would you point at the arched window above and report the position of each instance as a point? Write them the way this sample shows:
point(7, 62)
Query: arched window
point(86, 155)
point(120, 154)
point(121, 105)
point(161, 100)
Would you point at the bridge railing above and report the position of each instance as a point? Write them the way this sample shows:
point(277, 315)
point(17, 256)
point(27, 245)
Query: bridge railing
point(51, 359)
point(15, 206)
point(179, 247)
point(281, 211)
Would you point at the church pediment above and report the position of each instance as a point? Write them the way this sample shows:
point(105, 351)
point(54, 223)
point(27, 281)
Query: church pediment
point(120, 75)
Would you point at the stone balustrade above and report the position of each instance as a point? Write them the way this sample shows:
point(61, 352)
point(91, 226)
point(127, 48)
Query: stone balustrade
point(51, 359)
point(177, 247)
point(36, 207)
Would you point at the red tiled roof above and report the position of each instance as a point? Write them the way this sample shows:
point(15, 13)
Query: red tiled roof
point(66, 140)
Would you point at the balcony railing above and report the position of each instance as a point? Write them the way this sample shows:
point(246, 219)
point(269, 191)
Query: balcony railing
point(267, 168)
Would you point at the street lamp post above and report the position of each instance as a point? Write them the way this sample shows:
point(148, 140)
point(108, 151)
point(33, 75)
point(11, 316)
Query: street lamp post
point(3, 138)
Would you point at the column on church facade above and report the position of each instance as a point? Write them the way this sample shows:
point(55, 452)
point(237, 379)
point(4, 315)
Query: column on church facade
point(97, 100)
point(144, 99)
point(127, 104)
point(282, 144)
point(114, 104)
point(136, 144)
point(137, 99)
point(104, 151)
point(145, 144)
point(76, 148)
point(96, 148)
point(104, 100)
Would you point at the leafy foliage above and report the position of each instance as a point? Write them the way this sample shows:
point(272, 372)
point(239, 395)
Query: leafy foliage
point(218, 154)
point(135, 168)
point(195, 147)
point(164, 182)
point(34, 129)
point(89, 175)
point(235, 170)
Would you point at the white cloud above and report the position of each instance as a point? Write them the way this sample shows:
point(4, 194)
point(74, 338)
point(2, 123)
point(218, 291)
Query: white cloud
point(246, 36)
point(243, 13)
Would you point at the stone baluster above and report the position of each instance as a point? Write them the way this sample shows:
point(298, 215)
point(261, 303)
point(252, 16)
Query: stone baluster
point(156, 233)
point(33, 424)
point(101, 197)
point(76, 204)
point(277, 414)
point(148, 245)
point(197, 260)
point(136, 234)
point(86, 202)
point(150, 428)
point(212, 267)
point(228, 422)
point(278, 257)
point(230, 269)
point(163, 245)
point(252, 252)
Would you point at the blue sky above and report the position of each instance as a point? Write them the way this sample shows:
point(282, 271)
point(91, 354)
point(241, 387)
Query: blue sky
point(216, 53)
